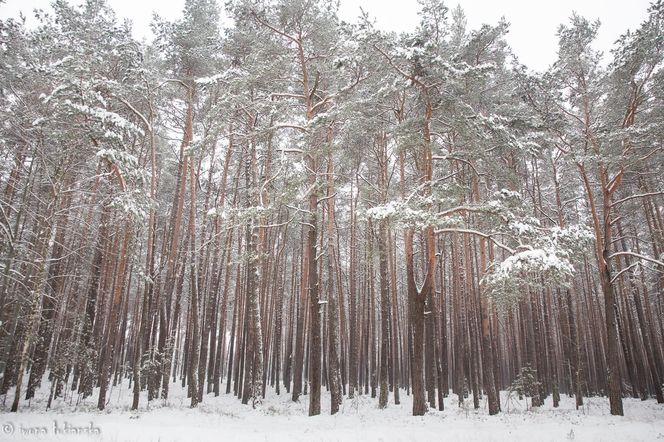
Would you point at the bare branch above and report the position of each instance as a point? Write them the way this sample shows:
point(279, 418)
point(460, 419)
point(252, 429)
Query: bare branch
point(636, 255)
point(286, 95)
point(273, 29)
point(626, 269)
point(480, 234)
point(290, 150)
point(325, 198)
point(631, 197)
point(287, 126)
point(136, 112)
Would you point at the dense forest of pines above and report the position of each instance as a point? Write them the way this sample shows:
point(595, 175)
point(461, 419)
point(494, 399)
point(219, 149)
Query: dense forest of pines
point(297, 203)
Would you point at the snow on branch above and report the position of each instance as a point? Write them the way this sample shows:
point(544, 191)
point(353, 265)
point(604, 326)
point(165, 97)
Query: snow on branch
point(536, 255)
point(105, 117)
point(547, 260)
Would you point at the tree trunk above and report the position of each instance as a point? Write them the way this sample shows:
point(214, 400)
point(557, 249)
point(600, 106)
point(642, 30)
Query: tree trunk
point(384, 314)
point(333, 307)
point(314, 306)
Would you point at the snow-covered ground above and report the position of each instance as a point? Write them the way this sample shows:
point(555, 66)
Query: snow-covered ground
point(225, 419)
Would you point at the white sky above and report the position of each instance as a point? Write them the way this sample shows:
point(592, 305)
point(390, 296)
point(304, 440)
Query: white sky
point(532, 31)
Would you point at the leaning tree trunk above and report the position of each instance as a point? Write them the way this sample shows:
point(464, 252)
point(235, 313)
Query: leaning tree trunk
point(37, 285)
point(333, 307)
point(49, 302)
point(168, 321)
point(33, 320)
point(114, 322)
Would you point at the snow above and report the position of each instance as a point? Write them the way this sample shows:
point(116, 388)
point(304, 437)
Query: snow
point(280, 419)
point(385, 211)
point(206, 81)
point(536, 260)
point(521, 228)
point(105, 117)
point(45, 99)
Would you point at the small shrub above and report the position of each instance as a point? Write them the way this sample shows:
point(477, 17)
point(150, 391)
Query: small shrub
point(525, 384)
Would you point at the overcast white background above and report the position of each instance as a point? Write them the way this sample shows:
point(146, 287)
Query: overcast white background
point(532, 33)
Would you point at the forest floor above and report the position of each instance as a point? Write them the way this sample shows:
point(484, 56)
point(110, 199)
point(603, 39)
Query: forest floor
point(224, 418)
